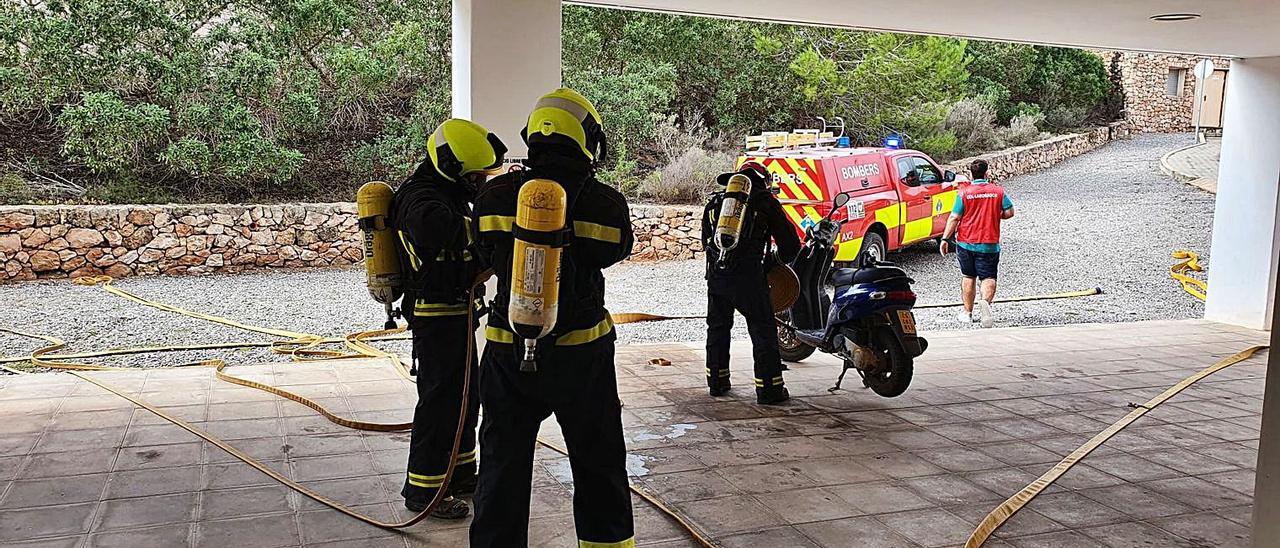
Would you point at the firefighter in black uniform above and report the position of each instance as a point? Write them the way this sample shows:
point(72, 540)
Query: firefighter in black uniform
point(432, 216)
point(739, 283)
point(575, 377)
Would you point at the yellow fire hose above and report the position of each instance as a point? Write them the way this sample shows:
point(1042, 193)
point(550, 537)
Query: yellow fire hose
point(1002, 513)
point(637, 317)
point(1189, 261)
point(301, 347)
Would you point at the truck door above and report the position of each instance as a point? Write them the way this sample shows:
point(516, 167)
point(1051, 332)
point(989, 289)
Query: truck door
point(942, 193)
point(916, 199)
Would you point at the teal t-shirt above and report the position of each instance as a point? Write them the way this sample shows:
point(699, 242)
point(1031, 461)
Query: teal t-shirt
point(958, 211)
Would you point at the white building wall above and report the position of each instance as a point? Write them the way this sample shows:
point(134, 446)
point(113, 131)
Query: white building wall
point(505, 55)
point(1246, 239)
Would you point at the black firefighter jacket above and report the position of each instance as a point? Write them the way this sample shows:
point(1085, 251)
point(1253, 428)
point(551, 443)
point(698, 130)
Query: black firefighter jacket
point(746, 264)
point(438, 262)
point(601, 236)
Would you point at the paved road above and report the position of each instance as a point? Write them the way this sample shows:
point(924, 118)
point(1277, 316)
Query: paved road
point(1107, 219)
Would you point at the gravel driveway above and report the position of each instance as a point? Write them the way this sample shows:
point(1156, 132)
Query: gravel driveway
point(1107, 219)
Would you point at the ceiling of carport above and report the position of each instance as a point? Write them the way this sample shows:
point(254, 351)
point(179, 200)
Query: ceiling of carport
point(1229, 28)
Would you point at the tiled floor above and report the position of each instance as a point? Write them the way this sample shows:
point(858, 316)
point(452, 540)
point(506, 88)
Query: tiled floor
point(988, 411)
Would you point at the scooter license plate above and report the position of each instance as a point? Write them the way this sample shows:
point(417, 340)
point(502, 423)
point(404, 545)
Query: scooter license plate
point(908, 320)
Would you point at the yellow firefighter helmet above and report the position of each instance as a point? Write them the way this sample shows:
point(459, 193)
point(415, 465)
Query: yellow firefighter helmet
point(567, 113)
point(461, 147)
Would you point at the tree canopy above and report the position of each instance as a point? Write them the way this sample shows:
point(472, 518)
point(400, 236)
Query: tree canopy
point(146, 100)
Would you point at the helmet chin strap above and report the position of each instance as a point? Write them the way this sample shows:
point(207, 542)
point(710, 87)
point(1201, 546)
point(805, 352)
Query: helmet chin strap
point(602, 150)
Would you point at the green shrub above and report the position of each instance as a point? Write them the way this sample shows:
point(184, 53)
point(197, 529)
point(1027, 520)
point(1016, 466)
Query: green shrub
point(126, 190)
point(1064, 118)
point(623, 173)
point(107, 135)
point(14, 189)
point(1023, 129)
point(688, 178)
point(1015, 77)
point(204, 99)
point(973, 122)
point(190, 156)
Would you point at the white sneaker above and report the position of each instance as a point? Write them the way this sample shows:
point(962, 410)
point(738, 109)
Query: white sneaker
point(985, 312)
point(964, 317)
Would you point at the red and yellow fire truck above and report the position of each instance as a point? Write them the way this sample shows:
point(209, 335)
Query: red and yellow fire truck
point(898, 196)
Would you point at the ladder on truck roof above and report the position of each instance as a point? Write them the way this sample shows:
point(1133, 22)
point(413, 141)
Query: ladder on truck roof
point(798, 138)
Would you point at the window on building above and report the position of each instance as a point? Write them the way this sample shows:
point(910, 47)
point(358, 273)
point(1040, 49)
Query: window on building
point(1173, 83)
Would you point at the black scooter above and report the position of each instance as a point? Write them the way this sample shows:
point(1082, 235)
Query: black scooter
point(862, 315)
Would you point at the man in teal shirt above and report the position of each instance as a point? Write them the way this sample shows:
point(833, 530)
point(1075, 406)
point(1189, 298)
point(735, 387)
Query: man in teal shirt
point(975, 221)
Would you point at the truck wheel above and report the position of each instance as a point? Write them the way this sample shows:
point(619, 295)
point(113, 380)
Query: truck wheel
point(790, 346)
point(873, 249)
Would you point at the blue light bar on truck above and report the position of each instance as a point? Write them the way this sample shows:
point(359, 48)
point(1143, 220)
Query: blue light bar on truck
point(893, 141)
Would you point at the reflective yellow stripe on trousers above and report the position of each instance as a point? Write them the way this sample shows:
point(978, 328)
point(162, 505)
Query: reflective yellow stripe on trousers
point(423, 309)
point(777, 381)
point(572, 338)
point(629, 543)
point(429, 482)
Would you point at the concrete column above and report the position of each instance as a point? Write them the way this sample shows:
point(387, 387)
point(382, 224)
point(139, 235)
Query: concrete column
point(1248, 236)
point(1242, 276)
point(1266, 488)
point(505, 55)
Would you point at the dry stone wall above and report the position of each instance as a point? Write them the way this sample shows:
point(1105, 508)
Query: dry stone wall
point(1039, 155)
point(71, 241)
point(666, 232)
point(126, 240)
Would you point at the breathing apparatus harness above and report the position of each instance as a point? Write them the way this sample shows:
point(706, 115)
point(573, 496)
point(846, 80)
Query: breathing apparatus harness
point(735, 220)
point(543, 228)
point(479, 151)
point(562, 119)
point(732, 217)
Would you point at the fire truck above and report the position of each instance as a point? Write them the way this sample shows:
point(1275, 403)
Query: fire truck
point(898, 196)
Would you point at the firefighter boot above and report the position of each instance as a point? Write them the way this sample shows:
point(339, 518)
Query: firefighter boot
point(772, 395)
point(719, 387)
point(449, 508)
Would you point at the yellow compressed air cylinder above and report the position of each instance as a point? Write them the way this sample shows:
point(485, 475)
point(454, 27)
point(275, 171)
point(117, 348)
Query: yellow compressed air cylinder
point(535, 269)
point(381, 262)
point(733, 210)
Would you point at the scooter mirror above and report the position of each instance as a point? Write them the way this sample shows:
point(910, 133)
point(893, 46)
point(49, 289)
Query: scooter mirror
point(840, 200)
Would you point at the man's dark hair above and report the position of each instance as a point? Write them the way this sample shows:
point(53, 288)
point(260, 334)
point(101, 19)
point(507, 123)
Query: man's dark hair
point(979, 169)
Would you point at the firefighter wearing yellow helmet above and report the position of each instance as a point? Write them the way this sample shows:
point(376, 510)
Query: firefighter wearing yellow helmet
point(738, 224)
point(549, 315)
point(431, 215)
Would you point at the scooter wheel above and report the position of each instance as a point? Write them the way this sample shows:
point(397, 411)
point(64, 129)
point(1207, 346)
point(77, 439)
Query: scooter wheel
point(896, 366)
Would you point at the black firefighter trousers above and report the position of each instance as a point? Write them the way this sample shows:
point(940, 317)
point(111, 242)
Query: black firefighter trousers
point(749, 295)
point(440, 350)
point(577, 384)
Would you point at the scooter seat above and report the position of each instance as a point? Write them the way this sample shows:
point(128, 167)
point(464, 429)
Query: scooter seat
point(849, 276)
